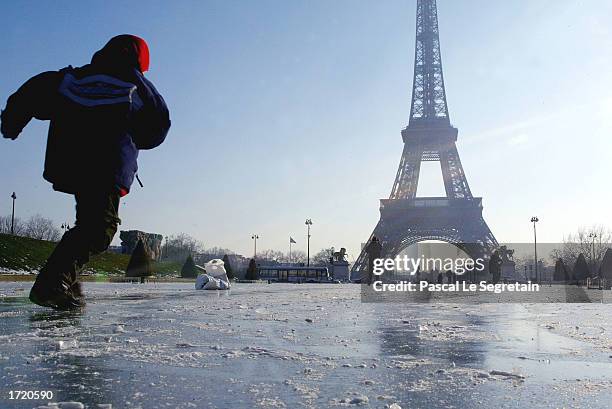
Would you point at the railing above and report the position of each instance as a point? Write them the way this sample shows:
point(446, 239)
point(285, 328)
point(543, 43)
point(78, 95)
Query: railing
point(430, 202)
point(597, 283)
point(433, 202)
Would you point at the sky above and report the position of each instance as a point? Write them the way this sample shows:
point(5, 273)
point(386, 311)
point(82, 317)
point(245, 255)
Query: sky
point(288, 110)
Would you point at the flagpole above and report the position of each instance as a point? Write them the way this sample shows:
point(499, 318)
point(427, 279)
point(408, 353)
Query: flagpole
point(289, 250)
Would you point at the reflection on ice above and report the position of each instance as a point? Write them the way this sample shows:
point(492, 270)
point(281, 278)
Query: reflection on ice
point(283, 345)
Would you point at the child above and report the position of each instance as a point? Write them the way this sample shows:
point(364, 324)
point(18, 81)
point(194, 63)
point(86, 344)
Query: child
point(101, 115)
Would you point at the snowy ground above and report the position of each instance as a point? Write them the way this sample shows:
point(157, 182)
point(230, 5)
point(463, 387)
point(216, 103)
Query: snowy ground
point(300, 346)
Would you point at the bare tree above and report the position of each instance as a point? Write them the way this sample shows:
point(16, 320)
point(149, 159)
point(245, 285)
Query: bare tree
point(322, 257)
point(42, 228)
point(218, 251)
point(181, 246)
point(205, 255)
point(273, 256)
point(5, 225)
point(591, 241)
point(298, 256)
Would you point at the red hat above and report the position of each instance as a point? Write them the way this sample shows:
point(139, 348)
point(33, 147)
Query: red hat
point(143, 53)
point(124, 49)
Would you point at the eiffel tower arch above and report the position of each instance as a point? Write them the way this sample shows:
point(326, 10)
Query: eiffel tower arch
point(429, 136)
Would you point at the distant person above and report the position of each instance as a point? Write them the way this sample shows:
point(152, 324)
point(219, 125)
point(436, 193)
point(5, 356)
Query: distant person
point(101, 115)
point(495, 267)
point(374, 251)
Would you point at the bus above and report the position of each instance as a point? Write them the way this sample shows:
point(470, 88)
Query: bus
point(294, 274)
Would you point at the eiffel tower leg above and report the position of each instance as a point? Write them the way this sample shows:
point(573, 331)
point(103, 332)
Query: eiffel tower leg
point(455, 182)
point(360, 267)
point(407, 178)
point(392, 244)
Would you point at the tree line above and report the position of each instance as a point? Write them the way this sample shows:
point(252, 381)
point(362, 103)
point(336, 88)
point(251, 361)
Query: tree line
point(591, 243)
point(180, 246)
point(36, 227)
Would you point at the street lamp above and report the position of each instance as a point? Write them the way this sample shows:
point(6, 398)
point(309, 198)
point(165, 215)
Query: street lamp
point(13, 196)
point(308, 224)
point(534, 220)
point(593, 236)
point(255, 237)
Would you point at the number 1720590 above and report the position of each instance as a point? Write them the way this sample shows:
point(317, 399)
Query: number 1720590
point(30, 395)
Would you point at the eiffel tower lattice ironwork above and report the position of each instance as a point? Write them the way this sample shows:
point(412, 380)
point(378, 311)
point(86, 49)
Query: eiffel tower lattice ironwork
point(429, 136)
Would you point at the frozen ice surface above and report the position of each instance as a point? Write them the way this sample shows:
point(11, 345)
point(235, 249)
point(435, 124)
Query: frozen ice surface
point(300, 346)
point(66, 344)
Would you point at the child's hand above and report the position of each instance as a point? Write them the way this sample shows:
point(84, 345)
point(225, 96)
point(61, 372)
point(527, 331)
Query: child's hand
point(9, 135)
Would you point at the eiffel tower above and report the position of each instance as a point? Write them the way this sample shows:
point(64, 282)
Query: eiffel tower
point(429, 136)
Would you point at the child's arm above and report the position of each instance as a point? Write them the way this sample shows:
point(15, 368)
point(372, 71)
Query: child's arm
point(34, 99)
point(150, 123)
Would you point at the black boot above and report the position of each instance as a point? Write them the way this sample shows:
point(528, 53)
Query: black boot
point(58, 296)
point(77, 289)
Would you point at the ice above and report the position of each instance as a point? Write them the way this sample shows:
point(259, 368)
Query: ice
point(66, 344)
point(506, 374)
point(356, 400)
point(71, 405)
point(66, 405)
point(118, 329)
point(166, 345)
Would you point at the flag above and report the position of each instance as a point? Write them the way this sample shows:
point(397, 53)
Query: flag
point(291, 240)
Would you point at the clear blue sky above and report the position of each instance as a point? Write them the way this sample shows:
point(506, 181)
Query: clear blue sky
point(287, 110)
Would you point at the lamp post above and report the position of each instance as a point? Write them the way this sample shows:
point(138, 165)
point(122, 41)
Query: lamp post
point(13, 196)
point(593, 236)
point(308, 224)
point(255, 237)
point(534, 220)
